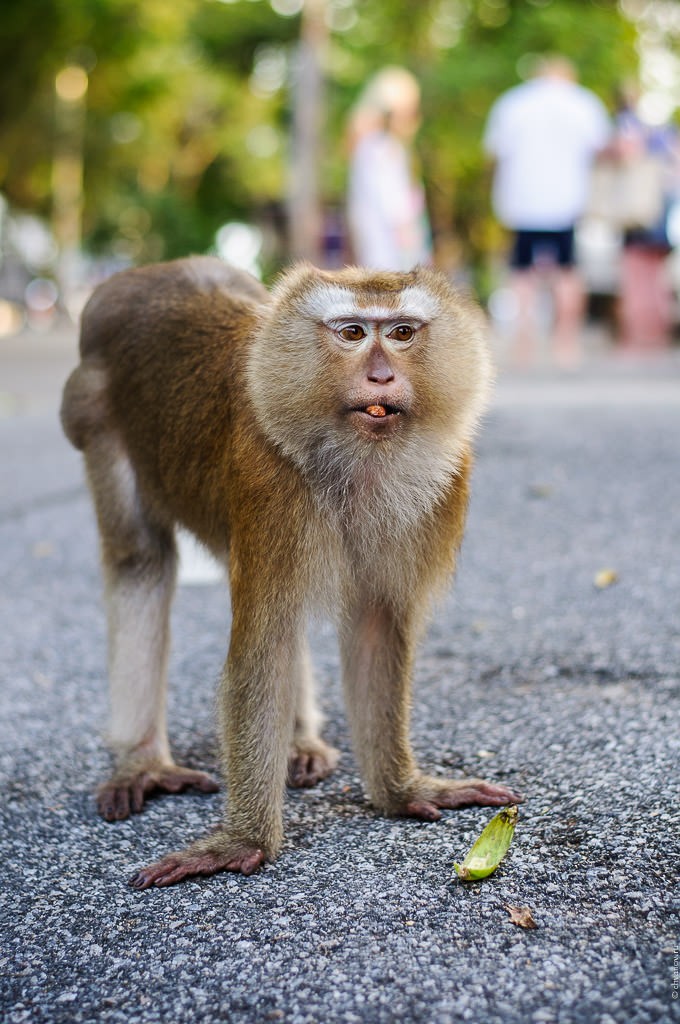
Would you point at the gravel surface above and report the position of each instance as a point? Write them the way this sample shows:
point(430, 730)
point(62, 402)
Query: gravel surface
point(530, 674)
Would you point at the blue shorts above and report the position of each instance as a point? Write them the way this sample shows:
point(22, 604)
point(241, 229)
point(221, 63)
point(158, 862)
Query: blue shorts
point(543, 249)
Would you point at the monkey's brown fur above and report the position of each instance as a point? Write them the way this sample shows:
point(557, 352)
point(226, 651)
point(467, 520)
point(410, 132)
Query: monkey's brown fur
point(202, 399)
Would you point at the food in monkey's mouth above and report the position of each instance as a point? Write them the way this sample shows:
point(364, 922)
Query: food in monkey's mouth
point(375, 411)
point(379, 411)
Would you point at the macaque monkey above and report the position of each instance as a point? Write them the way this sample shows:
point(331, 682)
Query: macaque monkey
point(317, 440)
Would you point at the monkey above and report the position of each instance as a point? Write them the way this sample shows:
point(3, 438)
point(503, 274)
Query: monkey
point(317, 438)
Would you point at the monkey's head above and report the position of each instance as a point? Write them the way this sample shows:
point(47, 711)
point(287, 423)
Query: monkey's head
point(366, 364)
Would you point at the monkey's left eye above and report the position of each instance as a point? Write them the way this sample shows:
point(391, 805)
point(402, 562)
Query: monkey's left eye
point(352, 332)
point(402, 333)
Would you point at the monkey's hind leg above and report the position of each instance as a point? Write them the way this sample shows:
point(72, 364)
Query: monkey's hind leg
point(139, 563)
point(311, 759)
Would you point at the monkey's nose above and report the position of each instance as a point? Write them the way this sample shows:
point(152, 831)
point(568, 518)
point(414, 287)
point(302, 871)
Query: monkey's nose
point(378, 370)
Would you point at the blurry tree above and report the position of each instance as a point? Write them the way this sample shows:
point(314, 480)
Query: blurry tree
point(189, 103)
point(186, 121)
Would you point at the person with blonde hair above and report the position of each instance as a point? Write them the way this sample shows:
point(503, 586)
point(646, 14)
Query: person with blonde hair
point(386, 212)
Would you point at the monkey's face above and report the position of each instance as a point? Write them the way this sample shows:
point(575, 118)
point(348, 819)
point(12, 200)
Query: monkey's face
point(365, 363)
point(366, 350)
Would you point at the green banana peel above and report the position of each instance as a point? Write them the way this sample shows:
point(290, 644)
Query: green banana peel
point(490, 848)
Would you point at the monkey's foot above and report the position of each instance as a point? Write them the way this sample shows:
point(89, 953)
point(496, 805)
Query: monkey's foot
point(127, 792)
point(310, 762)
point(206, 857)
point(431, 794)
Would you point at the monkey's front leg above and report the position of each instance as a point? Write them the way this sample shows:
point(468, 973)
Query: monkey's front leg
point(377, 653)
point(258, 709)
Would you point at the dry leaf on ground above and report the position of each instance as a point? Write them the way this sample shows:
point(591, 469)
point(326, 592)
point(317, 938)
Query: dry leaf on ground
point(521, 916)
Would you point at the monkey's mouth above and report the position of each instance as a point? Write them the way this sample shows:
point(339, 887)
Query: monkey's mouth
point(378, 411)
point(376, 419)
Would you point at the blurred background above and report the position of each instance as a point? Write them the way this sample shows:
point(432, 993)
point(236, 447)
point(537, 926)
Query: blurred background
point(136, 131)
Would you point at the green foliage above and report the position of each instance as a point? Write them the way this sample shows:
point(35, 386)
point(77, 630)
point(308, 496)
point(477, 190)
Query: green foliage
point(188, 106)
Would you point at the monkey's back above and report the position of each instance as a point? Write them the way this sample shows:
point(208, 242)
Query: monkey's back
point(163, 352)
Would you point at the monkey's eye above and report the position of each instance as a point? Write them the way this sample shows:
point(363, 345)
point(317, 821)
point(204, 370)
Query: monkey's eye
point(402, 334)
point(352, 333)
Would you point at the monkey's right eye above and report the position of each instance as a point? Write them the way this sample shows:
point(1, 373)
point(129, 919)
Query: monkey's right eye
point(352, 333)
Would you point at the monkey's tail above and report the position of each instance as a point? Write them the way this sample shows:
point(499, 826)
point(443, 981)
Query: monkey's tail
point(84, 404)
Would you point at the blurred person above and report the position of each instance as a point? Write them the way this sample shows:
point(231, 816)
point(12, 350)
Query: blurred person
point(544, 136)
point(650, 156)
point(386, 212)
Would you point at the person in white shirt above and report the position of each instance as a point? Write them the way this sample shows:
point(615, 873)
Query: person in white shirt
point(543, 136)
point(386, 210)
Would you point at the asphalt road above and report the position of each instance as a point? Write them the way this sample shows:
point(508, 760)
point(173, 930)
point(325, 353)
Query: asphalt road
point(530, 674)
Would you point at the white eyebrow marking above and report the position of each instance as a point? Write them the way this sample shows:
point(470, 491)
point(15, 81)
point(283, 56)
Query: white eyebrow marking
point(328, 303)
point(419, 303)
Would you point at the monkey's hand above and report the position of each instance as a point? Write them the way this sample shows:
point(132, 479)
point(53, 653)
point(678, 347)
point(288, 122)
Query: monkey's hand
point(429, 794)
point(217, 852)
point(127, 791)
